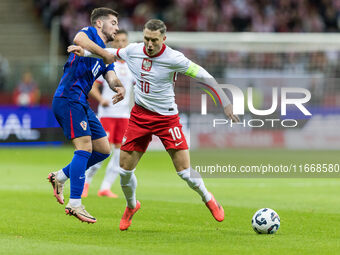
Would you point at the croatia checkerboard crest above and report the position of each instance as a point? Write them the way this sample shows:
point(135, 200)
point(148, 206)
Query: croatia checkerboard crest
point(83, 124)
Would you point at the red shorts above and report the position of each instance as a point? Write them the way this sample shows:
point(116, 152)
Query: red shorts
point(144, 123)
point(115, 128)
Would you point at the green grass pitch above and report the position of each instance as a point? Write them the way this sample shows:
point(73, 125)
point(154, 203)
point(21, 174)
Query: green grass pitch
point(172, 219)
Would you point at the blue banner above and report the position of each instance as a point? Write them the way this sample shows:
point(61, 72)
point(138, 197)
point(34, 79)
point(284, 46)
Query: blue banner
point(29, 125)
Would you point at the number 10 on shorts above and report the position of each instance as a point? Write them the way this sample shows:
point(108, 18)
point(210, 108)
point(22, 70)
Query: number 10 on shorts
point(175, 133)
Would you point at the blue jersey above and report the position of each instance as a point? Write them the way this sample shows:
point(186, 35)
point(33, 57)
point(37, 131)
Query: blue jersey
point(80, 72)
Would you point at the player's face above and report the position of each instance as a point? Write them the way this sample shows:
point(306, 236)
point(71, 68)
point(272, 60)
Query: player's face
point(121, 41)
point(110, 27)
point(153, 41)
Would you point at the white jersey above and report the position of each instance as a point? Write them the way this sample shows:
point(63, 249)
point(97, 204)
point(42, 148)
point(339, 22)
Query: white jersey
point(155, 76)
point(122, 108)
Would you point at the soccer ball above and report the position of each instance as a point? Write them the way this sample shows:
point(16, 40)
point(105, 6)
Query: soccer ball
point(265, 221)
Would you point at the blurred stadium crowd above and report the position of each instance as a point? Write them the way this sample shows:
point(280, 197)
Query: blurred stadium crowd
point(208, 15)
point(202, 15)
point(221, 16)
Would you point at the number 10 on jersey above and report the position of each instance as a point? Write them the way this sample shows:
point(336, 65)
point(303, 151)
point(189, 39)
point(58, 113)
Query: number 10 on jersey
point(145, 86)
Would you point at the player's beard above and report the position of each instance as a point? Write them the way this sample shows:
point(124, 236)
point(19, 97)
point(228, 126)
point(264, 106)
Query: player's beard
point(109, 37)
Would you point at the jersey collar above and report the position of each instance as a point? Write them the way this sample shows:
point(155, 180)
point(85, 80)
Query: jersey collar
point(158, 54)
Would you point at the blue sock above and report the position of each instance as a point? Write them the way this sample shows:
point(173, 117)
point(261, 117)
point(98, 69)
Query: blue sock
point(77, 172)
point(94, 159)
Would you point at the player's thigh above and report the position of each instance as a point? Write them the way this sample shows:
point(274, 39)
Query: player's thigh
point(129, 159)
point(101, 145)
point(172, 136)
point(72, 117)
point(136, 138)
point(83, 143)
point(180, 159)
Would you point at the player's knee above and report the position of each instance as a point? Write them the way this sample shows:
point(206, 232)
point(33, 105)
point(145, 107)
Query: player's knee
point(106, 147)
point(83, 143)
point(123, 164)
point(181, 167)
point(106, 150)
point(102, 145)
point(86, 147)
point(125, 160)
point(180, 159)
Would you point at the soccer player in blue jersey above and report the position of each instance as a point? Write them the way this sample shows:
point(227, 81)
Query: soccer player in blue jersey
point(71, 109)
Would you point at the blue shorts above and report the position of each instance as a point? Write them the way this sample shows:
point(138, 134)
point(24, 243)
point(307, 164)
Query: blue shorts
point(77, 119)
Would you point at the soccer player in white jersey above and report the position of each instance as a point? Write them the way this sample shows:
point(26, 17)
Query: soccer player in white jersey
point(154, 66)
point(114, 118)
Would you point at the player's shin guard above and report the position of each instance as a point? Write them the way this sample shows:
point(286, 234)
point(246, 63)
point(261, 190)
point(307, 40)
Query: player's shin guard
point(77, 172)
point(95, 158)
point(128, 182)
point(195, 182)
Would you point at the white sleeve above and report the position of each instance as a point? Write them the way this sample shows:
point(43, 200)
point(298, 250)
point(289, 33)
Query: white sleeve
point(186, 66)
point(122, 53)
point(181, 63)
point(199, 73)
point(89, 54)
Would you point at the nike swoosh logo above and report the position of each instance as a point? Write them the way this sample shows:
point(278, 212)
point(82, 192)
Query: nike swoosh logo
point(176, 144)
point(82, 177)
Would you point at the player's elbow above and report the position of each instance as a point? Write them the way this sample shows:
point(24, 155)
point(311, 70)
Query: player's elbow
point(78, 39)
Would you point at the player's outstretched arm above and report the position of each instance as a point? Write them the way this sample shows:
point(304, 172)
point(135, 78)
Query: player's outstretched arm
point(199, 73)
point(81, 39)
point(116, 86)
point(81, 52)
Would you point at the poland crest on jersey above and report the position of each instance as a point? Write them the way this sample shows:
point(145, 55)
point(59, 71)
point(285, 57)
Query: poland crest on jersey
point(83, 124)
point(147, 64)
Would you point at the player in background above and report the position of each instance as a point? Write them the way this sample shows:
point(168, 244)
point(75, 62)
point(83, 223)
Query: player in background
point(114, 118)
point(72, 111)
point(154, 66)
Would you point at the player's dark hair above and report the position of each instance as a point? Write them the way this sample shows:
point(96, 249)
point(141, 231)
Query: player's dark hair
point(155, 24)
point(100, 13)
point(122, 31)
